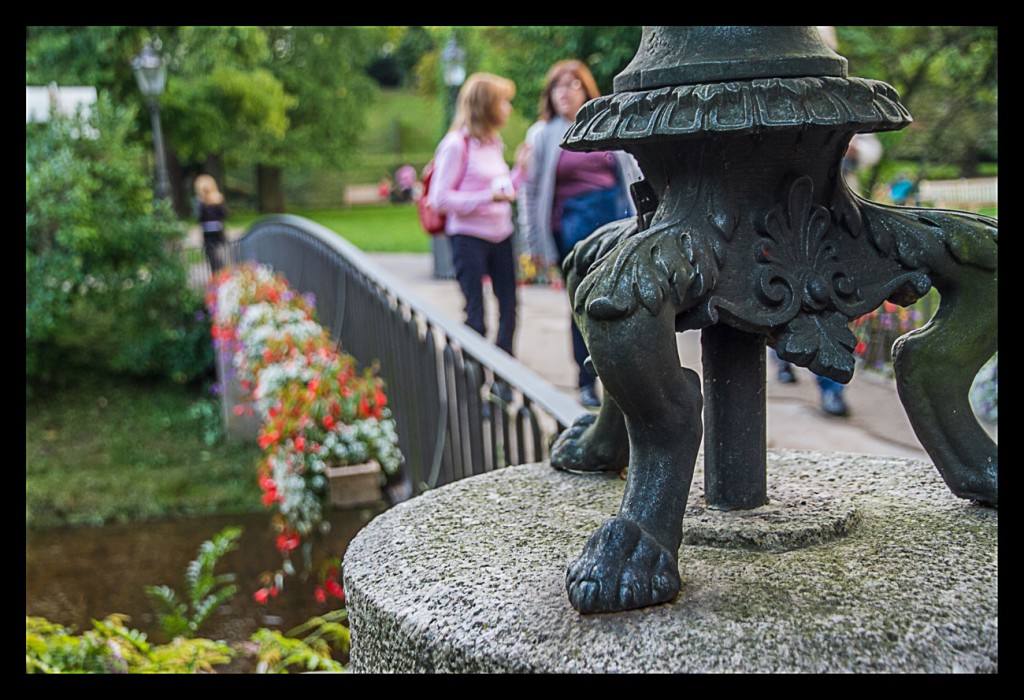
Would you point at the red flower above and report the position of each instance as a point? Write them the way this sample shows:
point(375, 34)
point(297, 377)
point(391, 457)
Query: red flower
point(267, 439)
point(334, 588)
point(261, 596)
point(861, 348)
point(286, 542)
point(328, 421)
point(300, 444)
point(269, 490)
point(320, 594)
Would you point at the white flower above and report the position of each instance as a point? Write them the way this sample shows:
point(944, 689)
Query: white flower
point(298, 476)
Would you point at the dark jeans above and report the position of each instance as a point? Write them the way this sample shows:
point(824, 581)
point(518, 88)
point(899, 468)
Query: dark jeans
point(216, 249)
point(473, 258)
point(581, 217)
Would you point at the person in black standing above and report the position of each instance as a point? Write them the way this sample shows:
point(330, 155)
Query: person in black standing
point(211, 213)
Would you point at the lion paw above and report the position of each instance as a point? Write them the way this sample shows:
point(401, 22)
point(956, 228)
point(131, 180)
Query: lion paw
point(579, 449)
point(622, 567)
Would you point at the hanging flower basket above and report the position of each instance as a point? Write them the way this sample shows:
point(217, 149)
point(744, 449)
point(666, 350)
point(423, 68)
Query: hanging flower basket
point(354, 485)
point(324, 427)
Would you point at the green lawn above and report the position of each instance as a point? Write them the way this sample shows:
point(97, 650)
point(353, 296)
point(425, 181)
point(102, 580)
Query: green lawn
point(384, 228)
point(109, 449)
point(405, 127)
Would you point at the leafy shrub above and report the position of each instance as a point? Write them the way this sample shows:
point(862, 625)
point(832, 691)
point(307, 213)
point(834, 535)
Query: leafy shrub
point(105, 286)
point(206, 590)
point(111, 647)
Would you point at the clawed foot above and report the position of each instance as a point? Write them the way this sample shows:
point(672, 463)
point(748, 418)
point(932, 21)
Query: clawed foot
point(579, 449)
point(622, 567)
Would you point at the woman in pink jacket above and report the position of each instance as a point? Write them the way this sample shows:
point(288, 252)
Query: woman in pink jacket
point(473, 187)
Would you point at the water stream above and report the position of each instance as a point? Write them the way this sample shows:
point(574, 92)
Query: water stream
point(73, 576)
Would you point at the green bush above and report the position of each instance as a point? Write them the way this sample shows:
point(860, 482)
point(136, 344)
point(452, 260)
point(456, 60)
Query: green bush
point(205, 591)
point(104, 284)
point(112, 647)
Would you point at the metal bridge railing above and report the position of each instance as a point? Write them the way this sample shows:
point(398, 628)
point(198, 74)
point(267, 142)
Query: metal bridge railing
point(461, 405)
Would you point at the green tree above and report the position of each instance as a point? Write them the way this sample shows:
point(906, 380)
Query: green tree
point(269, 97)
point(104, 285)
point(947, 77)
point(221, 100)
point(98, 56)
point(223, 104)
point(524, 54)
point(399, 52)
point(323, 70)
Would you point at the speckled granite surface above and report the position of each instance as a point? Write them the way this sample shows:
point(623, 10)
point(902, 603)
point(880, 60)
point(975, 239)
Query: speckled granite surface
point(859, 564)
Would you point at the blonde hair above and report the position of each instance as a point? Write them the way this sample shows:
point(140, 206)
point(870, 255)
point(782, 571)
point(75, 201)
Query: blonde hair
point(577, 69)
point(207, 191)
point(480, 98)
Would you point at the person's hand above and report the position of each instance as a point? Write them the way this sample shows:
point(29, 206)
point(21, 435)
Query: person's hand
point(502, 189)
point(522, 158)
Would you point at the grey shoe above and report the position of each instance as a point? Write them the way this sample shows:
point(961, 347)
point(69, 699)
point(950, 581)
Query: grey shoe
point(588, 397)
point(833, 404)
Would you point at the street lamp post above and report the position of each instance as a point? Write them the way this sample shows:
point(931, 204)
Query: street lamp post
point(151, 75)
point(453, 65)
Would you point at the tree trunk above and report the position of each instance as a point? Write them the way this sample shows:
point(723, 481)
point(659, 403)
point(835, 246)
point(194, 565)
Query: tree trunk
point(269, 190)
point(214, 166)
point(969, 163)
point(180, 197)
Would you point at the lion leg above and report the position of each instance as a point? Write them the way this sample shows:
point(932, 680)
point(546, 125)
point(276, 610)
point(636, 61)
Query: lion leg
point(631, 561)
point(593, 443)
point(934, 368)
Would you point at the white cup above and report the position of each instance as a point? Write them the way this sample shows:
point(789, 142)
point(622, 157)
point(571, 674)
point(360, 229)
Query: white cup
point(503, 185)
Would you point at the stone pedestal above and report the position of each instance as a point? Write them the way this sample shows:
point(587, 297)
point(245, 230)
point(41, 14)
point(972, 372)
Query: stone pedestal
point(857, 564)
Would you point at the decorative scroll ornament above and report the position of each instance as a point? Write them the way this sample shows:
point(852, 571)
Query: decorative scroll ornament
point(801, 276)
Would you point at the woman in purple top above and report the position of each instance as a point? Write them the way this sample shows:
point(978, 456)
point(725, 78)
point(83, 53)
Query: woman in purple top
point(568, 195)
point(473, 186)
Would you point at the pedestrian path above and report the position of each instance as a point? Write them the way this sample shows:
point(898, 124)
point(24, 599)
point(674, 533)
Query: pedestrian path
point(877, 423)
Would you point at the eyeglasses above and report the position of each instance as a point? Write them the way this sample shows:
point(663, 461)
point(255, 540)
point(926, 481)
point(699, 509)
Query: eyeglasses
point(570, 85)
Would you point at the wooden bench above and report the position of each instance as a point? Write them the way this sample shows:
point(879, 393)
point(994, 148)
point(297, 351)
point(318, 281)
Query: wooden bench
point(363, 194)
